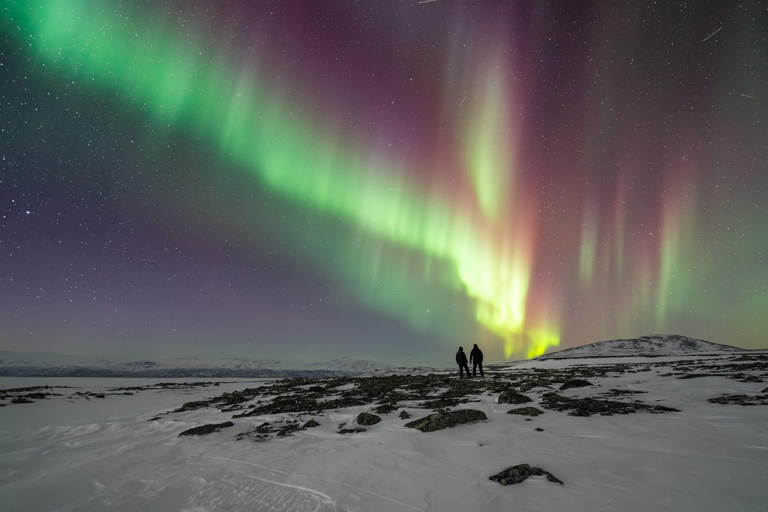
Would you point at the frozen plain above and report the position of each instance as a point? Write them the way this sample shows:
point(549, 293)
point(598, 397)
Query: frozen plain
point(109, 454)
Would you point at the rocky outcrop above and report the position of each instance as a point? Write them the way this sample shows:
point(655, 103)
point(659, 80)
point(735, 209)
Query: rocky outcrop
point(520, 473)
point(448, 419)
point(207, 429)
point(513, 397)
point(404, 415)
point(526, 411)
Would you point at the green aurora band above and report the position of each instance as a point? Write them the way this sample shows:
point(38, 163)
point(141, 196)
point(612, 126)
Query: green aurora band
point(178, 84)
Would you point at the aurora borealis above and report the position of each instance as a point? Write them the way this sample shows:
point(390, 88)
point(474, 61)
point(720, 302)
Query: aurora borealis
point(383, 179)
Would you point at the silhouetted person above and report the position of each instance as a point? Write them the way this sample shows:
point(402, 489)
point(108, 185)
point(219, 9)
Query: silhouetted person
point(476, 358)
point(461, 360)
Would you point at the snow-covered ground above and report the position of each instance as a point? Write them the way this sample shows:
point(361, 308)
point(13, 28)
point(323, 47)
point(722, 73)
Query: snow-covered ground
point(94, 454)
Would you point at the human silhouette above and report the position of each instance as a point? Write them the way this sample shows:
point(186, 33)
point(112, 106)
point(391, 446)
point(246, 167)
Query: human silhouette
point(476, 358)
point(461, 360)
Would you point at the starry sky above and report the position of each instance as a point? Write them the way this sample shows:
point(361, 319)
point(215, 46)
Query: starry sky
point(313, 179)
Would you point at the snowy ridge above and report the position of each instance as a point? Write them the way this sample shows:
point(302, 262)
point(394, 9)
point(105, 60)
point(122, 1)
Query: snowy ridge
point(654, 345)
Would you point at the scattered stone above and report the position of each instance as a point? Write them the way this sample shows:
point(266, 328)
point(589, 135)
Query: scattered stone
point(623, 392)
point(441, 420)
point(575, 383)
point(310, 424)
point(744, 400)
point(764, 391)
point(367, 419)
point(747, 378)
point(404, 415)
point(520, 473)
point(207, 429)
point(589, 406)
point(526, 411)
point(539, 429)
point(513, 397)
point(22, 400)
point(385, 408)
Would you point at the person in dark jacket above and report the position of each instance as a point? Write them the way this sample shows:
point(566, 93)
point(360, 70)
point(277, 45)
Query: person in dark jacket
point(461, 360)
point(476, 358)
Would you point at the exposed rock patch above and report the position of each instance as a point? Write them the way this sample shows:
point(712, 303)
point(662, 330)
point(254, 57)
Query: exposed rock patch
point(355, 430)
point(404, 415)
point(441, 420)
point(741, 399)
point(520, 473)
point(207, 429)
point(589, 406)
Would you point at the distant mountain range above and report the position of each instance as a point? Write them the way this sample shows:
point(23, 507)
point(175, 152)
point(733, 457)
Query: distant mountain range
point(51, 364)
point(649, 346)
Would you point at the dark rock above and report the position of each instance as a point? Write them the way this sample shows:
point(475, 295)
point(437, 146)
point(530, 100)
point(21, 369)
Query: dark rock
point(764, 391)
point(575, 383)
point(207, 429)
point(288, 429)
point(404, 415)
point(367, 419)
point(528, 385)
point(589, 406)
point(441, 420)
point(539, 429)
point(526, 411)
point(513, 397)
point(310, 424)
point(519, 473)
point(21, 400)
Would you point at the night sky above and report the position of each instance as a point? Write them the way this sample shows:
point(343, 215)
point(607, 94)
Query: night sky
point(311, 179)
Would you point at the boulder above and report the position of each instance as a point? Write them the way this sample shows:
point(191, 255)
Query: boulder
point(404, 415)
point(441, 420)
point(575, 383)
point(365, 418)
point(519, 473)
point(526, 411)
point(513, 397)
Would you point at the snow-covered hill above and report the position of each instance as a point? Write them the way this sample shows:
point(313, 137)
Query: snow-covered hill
point(347, 364)
point(50, 364)
point(655, 345)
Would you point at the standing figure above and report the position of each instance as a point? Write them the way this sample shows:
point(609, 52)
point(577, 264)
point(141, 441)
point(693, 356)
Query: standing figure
point(461, 360)
point(476, 358)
